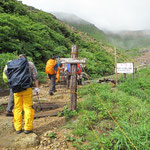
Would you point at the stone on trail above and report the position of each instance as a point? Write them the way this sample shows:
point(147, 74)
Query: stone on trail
point(9, 138)
point(26, 141)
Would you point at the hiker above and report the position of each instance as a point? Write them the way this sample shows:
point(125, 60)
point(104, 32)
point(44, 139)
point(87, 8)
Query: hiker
point(11, 94)
point(79, 74)
point(51, 71)
point(69, 74)
point(21, 74)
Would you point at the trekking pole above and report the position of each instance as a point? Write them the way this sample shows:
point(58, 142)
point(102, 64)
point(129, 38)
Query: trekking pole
point(39, 101)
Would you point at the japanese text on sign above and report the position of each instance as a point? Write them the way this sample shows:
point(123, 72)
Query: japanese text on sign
point(124, 67)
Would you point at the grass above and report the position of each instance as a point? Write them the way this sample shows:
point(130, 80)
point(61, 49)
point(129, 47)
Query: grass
point(128, 107)
point(2, 108)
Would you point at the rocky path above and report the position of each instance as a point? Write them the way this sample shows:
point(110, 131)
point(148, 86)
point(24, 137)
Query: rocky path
point(43, 126)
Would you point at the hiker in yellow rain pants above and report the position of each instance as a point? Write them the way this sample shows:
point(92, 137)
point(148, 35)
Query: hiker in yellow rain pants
point(23, 78)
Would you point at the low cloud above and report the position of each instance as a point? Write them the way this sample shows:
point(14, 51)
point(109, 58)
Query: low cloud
point(110, 15)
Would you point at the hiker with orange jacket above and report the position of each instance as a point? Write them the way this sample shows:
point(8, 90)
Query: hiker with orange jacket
point(51, 70)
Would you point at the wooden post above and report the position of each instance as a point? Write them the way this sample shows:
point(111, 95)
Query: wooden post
point(73, 61)
point(133, 72)
point(124, 76)
point(116, 76)
point(74, 54)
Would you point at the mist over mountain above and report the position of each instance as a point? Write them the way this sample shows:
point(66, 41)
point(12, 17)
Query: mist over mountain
point(122, 39)
point(81, 25)
point(71, 18)
point(130, 39)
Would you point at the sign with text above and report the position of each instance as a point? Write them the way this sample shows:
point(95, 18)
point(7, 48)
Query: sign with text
point(73, 60)
point(124, 67)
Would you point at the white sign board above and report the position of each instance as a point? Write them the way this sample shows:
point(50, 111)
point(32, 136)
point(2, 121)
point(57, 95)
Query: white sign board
point(73, 60)
point(125, 68)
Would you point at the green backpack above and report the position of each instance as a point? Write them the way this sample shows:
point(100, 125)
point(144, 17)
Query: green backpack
point(4, 76)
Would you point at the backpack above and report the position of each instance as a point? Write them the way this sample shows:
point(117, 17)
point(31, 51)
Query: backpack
point(78, 69)
point(49, 69)
point(19, 75)
point(4, 76)
point(68, 67)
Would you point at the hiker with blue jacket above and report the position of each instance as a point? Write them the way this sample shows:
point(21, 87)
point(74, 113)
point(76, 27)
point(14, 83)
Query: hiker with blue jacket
point(21, 73)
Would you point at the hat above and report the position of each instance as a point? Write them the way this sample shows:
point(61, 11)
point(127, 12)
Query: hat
point(54, 57)
point(22, 56)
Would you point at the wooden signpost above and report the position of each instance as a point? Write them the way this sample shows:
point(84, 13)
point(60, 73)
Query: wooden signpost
point(74, 60)
point(116, 75)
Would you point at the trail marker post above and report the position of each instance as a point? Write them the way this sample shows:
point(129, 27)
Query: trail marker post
point(116, 75)
point(74, 60)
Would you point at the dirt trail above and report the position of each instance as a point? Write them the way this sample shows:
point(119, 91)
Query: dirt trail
point(41, 124)
point(62, 96)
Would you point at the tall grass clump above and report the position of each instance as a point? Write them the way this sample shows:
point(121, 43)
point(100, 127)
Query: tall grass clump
point(95, 128)
point(139, 87)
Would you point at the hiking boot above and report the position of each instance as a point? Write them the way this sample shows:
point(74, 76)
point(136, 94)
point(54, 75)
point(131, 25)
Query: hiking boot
point(8, 113)
point(28, 131)
point(18, 132)
point(51, 93)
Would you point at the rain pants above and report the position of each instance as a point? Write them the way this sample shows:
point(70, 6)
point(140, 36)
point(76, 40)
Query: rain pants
point(23, 101)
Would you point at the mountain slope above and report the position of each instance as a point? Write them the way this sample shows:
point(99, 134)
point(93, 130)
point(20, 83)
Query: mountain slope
point(81, 25)
point(40, 35)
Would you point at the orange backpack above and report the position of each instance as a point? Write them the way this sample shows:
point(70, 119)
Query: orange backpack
point(49, 69)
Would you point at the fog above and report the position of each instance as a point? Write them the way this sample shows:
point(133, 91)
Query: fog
point(111, 15)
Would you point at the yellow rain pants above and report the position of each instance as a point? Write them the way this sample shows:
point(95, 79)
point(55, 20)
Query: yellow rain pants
point(23, 101)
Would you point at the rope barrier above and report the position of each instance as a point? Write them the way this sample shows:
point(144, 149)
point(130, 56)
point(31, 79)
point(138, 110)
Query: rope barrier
point(75, 53)
point(92, 128)
point(73, 92)
point(107, 112)
point(111, 115)
point(89, 122)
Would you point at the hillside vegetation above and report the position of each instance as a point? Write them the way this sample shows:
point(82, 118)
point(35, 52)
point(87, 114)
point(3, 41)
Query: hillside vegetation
point(81, 25)
point(40, 35)
point(128, 105)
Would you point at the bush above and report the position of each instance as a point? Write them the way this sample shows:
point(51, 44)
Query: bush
point(4, 58)
point(139, 87)
point(94, 123)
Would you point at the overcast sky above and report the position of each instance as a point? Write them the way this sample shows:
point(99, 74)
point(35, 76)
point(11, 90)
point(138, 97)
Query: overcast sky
point(114, 15)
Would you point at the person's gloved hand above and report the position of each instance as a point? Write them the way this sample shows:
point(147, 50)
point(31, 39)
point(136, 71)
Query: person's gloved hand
point(36, 90)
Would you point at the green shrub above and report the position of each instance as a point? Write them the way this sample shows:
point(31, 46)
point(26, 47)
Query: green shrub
point(139, 87)
point(95, 124)
point(4, 58)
